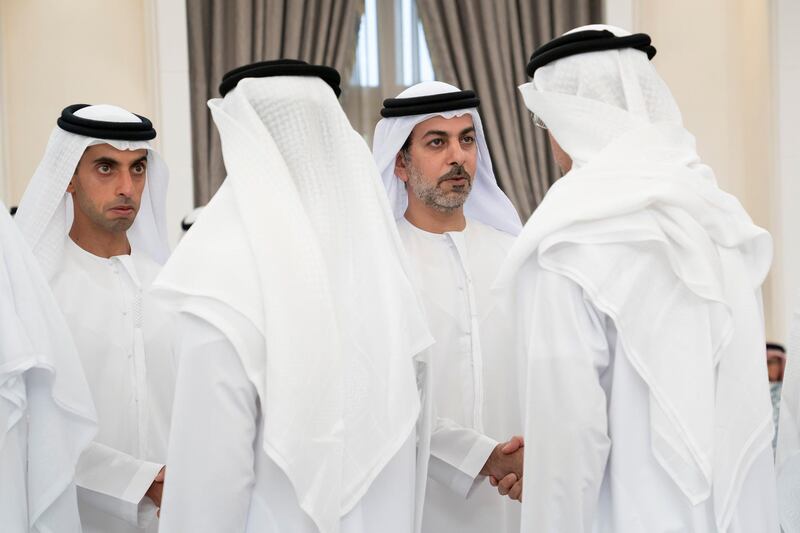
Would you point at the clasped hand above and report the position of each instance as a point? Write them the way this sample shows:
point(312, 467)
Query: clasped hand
point(504, 468)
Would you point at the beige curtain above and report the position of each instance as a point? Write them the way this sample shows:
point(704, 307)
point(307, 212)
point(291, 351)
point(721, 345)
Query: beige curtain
point(225, 34)
point(485, 46)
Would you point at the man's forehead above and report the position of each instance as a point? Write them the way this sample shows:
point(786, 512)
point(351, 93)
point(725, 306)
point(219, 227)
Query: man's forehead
point(106, 150)
point(440, 123)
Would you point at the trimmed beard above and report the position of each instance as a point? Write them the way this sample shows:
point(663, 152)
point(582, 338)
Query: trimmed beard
point(433, 195)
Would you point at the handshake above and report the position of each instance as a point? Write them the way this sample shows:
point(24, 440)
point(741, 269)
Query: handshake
point(504, 468)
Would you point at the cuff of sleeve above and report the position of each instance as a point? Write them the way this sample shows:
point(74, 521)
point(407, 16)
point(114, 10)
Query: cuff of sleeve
point(463, 478)
point(139, 509)
point(474, 461)
point(452, 478)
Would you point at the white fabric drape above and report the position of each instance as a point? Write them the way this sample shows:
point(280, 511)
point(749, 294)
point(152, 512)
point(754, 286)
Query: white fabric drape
point(47, 417)
point(321, 278)
point(217, 415)
point(638, 187)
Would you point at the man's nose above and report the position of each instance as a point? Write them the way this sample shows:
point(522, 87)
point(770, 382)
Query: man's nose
point(457, 155)
point(125, 183)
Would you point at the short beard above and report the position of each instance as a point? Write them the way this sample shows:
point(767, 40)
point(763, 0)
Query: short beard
point(433, 196)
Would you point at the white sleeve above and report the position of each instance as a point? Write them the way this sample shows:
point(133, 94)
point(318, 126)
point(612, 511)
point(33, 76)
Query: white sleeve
point(210, 473)
point(566, 430)
point(115, 483)
point(458, 455)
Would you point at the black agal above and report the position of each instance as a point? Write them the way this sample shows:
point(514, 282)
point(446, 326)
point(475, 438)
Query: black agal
point(281, 67)
point(434, 103)
point(101, 129)
point(582, 42)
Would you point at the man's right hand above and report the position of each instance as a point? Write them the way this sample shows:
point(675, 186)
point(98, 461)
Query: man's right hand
point(505, 459)
point(511, 484)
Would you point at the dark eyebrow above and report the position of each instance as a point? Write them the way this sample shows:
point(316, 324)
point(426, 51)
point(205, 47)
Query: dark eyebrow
point(439, 133)
point(106, 160)
point(111, 161)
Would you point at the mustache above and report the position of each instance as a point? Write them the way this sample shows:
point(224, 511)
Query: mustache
point(456, 172)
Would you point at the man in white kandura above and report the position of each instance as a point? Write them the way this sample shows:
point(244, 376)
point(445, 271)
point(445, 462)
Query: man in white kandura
point(296, 400)
point(94, 216)
point(638, 280)
point(46, 413)
point(457, 227)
